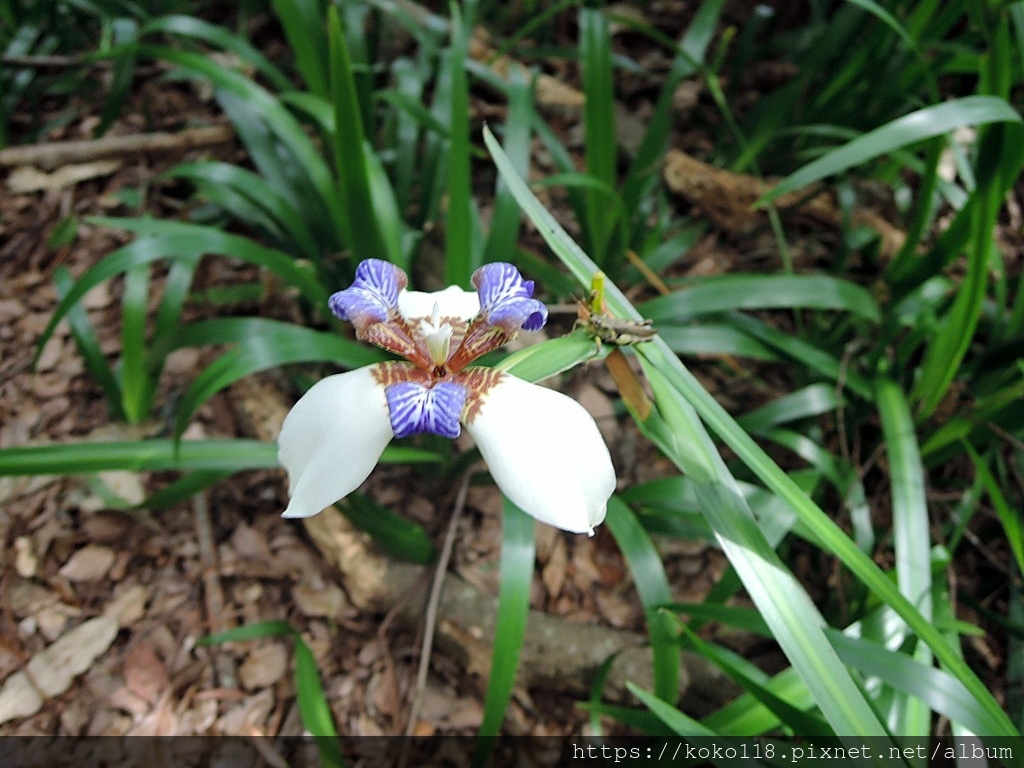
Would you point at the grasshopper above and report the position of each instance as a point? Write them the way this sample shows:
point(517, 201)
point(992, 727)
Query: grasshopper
point(594, 318)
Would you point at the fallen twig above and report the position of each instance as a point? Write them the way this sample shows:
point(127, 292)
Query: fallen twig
point(213, 594)
point(54, 154)
point(433, 602)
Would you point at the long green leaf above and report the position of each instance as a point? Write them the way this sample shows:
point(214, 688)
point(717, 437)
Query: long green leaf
point(208, 240)
point(652, 586)
point(159, 455)
point(919, 125)
point(135, 381)
point(599, 124)
point(85, 338)
point(685, 726)
point(501, 240)
point(459, 258)
point(303, 24)
point(644, 169)
point(314, 708)
point(911, 535)
point(956, 331)
point(359, 222)
point(517, 559)
point(190, 26)
point(737, 292)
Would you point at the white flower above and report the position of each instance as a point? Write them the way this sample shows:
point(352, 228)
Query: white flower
point(542, 448)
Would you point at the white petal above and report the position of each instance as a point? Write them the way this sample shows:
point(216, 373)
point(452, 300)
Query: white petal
point(545, 453)
point(332, 439)
point(452, 302)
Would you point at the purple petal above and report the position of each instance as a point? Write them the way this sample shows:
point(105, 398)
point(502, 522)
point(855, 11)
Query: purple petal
point(415, 409)
point(506, 299)
point(373, 295)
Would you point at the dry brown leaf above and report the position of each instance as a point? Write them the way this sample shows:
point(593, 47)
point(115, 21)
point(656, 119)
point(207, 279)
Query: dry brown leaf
point(90, 563)
point(263, 667)
point(128, 606)
point(54, 668)
point(19, 698)
point(325, 600)
point(27, 179)
point(554, 571)
point(617, 609)
point(26, 598)
point(144, 671)
point(51, 622)
point(10, 656)
point(253, 712)
point(25, 561)
point(599, 405)
point(249, 543)
point(162, 720)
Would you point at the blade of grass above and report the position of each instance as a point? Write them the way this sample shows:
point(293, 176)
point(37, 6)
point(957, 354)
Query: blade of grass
point(946, 351)
point(646, 164)
point(600, 146)
point(911, 536)
point(307, 159)
point(735, 292)
point(207, 240)
point(314, 708)
point(359, 221)
point(239, 330)
point(921, 124)
point(184, 488)
point(1009, 518)
point(190, 26)
point(812, 400)
point(806, 354)
point(124, 55)
point(517, 560)
point(303, 24)
point(551, 357)
point(89, 346)
point(501, 241)
point(135, 380)
point(652, 585)
point(796, 623)
point(460, 261)
point(685, 726)
point(753, 681)
point(158, 455)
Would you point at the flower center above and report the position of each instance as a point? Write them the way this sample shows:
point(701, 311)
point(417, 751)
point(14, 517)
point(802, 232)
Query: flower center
point(437, 336)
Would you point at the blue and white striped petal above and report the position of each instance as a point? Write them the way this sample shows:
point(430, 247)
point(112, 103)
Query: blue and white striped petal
point(416, 409)
point(506, 298)
point(544, 451)
point(373, 295)
point(332, 439)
